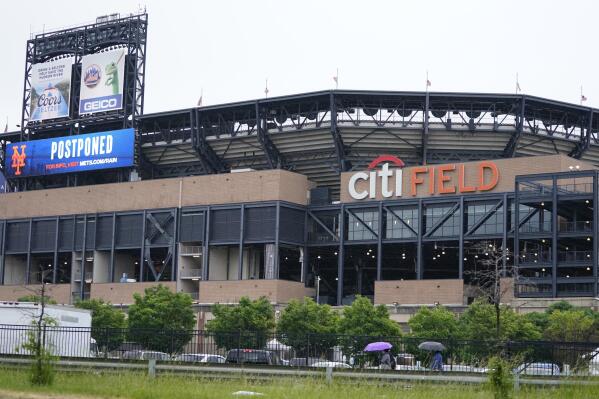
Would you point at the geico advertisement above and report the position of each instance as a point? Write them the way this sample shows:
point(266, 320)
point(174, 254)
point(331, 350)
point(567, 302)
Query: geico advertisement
point(79, 153)
point(102, 77)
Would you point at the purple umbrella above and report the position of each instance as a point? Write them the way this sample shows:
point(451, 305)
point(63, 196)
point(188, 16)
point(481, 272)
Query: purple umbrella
point(377, 346)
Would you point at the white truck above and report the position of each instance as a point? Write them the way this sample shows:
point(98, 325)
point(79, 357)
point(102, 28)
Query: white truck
point(69, 337)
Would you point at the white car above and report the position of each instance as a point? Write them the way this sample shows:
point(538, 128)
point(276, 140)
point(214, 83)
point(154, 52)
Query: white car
point(199, 358)
point(550, 369)
point(326, 364)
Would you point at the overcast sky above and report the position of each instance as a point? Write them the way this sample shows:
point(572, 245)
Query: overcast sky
point(228, 48)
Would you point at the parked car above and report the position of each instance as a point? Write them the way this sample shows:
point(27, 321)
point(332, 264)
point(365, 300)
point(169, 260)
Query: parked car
point(146, 355)
point(303, 361)
point(550, 369)
point(199, 358)
point(253, 356)
point(325, 364)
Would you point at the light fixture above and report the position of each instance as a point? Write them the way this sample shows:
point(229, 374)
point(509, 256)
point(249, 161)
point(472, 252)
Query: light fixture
point(588, 268)
point(193, 256)
point(588, 238)
point(543, 269)
point(536, 254)
point(486, 254)
point(335, 252)
point(465, 258)
point(542, 204)
point(543, 241)
point(318, 257)
point(490, 245)
point(586, 202)
point(508, 258)
point(373, 256)
point(442, 252)
point(475, 256)
point(567, 276)
point(336, 278)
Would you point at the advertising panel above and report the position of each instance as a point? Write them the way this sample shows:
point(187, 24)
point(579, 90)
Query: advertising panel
point(105, 150)
point(50, 89)
point(102, 77)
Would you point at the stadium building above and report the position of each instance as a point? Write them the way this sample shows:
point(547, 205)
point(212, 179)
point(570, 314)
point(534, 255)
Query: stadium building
point(405, 197)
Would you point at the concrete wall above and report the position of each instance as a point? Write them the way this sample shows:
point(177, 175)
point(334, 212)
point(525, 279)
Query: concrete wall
point(15, 269)
point(277, 291)
point(102, 267)
point(122, 293)
point(407, 292)
point(508, 170)
point(268, 185)
point(61, 293)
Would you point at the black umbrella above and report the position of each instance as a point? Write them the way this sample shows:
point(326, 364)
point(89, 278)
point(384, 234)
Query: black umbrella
point(431, 346)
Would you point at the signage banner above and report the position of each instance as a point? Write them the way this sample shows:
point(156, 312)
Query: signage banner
point(50, 89)
point(105, 150)
point(102, 78)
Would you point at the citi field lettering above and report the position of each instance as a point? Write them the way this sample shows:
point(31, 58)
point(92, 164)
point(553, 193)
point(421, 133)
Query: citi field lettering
point(434, 180)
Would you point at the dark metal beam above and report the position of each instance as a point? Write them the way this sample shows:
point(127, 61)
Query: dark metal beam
point(511, 146)
point(271, 153)
point(207, 156)
point(425, 130)
point(340, 149)
point(443, 219)
point(585, 140)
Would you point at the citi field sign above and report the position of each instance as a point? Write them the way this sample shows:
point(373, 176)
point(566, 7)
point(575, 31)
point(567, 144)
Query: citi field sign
point(385, 178)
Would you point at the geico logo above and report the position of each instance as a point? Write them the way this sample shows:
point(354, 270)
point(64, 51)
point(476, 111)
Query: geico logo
point(100, 104)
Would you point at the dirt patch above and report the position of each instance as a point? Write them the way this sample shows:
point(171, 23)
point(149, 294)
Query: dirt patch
point(4, 394)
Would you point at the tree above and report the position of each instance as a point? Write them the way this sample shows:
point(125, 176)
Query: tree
point(42, 369)
point(362, 322)
point(479, 323)
point(107, 323)
point(161, 320)
point(437, 323)
point(570, 325)
point(243, 326)
point(37, 299)
point(307, 325)
point(488, 277)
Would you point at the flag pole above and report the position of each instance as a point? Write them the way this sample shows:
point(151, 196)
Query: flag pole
point(266, 89)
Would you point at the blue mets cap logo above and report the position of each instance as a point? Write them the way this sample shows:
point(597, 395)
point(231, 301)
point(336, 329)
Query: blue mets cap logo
point(92, 76)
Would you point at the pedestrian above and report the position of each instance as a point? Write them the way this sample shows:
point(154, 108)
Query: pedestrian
point(437, 363)
point(385, 362)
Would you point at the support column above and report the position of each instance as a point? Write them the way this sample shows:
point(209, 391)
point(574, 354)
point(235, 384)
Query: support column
point(28, 271)
point(554, 238)
point(82, 285)
point(419, 246)
point(379, 255)
point(240, 257)
point(2, 253)
point(112, 246)
point(340, 259)
point(461, 244)
point(595, 232)
point(516, 235)
point(55, 259)
point(205, 245)
point(505, 252)
point(277, 239)
point(142, 262)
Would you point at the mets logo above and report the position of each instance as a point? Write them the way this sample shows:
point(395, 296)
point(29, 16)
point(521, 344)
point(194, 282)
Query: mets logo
point(18, 159)
point(92, 76)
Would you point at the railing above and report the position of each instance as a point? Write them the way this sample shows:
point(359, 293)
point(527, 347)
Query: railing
point(532, 189)
point(191, 273)
point(531, 257)
point(190, 250)
point(581, 226)
point(300, 350)
point(575, 256)
point(535, 227)
point(575, 188)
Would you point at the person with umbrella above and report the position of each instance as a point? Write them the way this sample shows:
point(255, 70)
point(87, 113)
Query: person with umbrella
point(386, 361)
point(437, 347)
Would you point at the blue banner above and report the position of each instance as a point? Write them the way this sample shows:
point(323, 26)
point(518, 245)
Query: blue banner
point(105, 150)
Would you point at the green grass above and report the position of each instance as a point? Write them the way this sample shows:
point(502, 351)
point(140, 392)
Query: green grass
point(137, 386)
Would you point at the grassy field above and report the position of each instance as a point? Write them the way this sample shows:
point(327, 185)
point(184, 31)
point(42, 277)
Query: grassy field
point(14, 384)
